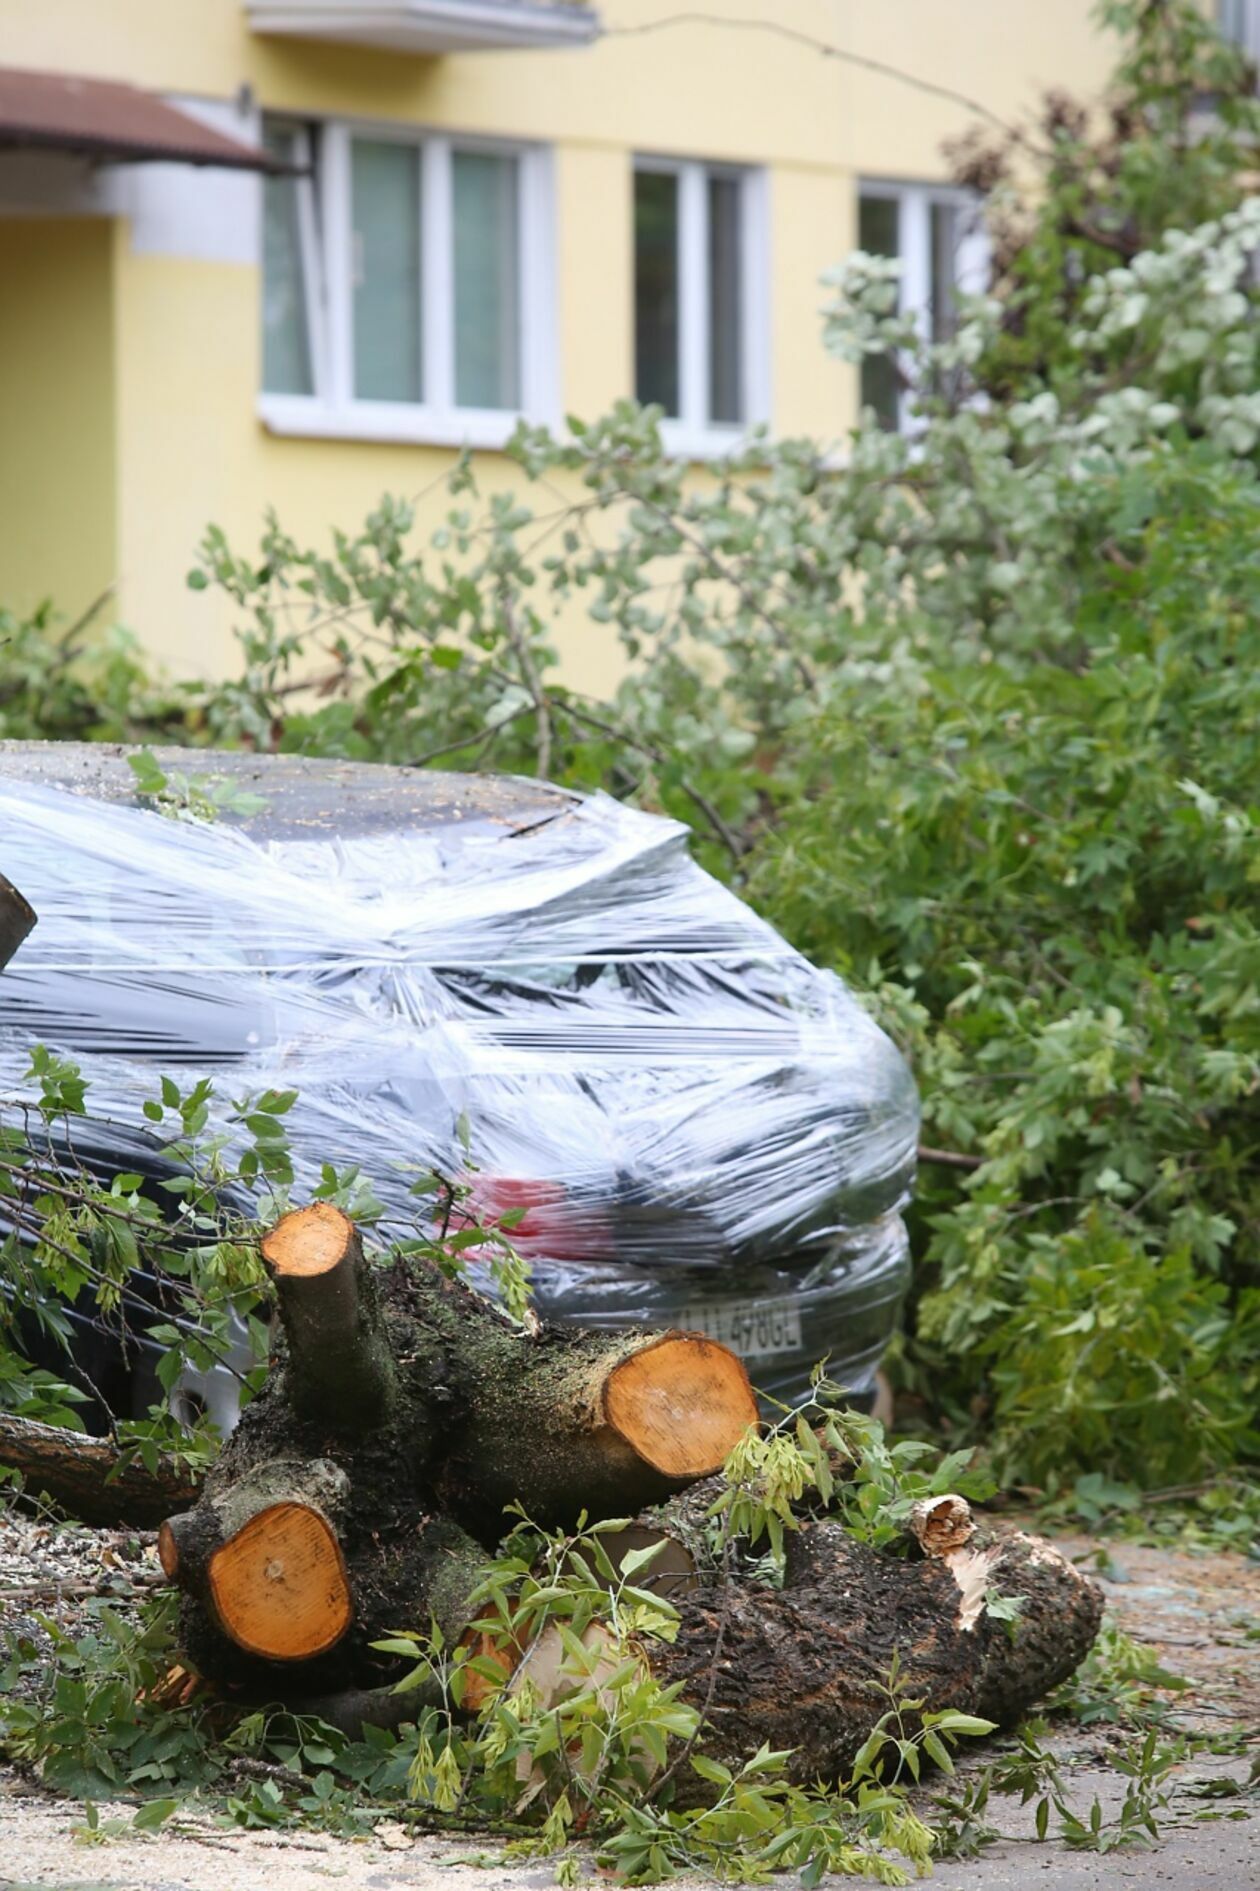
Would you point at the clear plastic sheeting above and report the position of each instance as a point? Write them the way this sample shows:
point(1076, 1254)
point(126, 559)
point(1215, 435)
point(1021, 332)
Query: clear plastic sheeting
point(700, 1127)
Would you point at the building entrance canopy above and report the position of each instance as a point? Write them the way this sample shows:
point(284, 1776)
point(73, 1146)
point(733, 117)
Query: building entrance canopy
point(112, 122)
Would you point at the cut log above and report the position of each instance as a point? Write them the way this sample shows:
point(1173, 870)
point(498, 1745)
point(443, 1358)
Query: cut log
point(676, 1402)
point(17, 918)
point(279, 1586)
point(89, 1476)
point(265, 1560)
point(339, 1364)
point(621, 1420)
point(807, 1666)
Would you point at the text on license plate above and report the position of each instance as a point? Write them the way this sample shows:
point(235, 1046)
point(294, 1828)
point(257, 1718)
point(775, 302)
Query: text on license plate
point(755, 1329)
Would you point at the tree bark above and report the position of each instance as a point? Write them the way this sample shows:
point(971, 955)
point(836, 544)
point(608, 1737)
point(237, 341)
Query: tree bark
point(17, 918)
point(89, 1478)
point(807, 1666)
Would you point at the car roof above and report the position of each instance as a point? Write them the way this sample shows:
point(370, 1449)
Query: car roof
point(305, 796)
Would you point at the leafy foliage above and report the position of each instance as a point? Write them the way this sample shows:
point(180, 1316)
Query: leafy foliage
point(78, 683)
point(171, 1252)
point(1048, 882)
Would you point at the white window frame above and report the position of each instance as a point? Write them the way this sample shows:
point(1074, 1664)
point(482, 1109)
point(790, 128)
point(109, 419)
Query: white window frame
point(325, 234)
point(914, 251)
point(692, 434)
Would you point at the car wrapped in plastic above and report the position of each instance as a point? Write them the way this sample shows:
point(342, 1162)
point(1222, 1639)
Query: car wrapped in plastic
point(490, 977)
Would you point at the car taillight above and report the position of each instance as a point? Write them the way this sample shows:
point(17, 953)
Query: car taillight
point(553, 1223)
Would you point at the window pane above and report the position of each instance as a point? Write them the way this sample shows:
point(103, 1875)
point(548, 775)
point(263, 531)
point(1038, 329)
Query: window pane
point(656, 289)
point(286, 328)
point(385, 210)
point(879, 234)
point(487, 275)
point(879, 226)
point(946, 231)
point(726, 306)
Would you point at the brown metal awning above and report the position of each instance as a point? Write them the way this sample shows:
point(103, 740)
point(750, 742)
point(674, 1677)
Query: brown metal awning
point(113, 122)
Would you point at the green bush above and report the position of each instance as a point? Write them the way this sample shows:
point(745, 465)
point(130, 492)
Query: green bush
point(76, 684)
point(1048, 876)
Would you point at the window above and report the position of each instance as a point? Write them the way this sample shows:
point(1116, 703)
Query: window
point(1239, 22)
point(407, 286)
point(700, 322)
point(939, 239)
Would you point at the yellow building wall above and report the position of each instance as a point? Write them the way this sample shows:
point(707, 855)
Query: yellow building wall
point(692, 89)
point(189, 445)
point(57, 438)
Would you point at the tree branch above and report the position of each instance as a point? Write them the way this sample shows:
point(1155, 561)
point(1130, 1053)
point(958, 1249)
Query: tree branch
point(949, 1158)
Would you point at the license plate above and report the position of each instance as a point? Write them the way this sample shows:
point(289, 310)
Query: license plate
point(755, 1329)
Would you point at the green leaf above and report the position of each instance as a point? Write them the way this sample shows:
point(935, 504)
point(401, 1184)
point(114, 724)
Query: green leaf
point(952, 1722)
point(712, 1770)
point(154, 1813)
point(635, 1560)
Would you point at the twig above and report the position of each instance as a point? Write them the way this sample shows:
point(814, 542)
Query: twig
point(81, 622)
point(729, 839)
point(209, 1339)
point(321, 685)
point(949, 1158)
point(101, 1587)
point(44, 1183)
point(533, 682)
point(464, 742)
point(267, 1769)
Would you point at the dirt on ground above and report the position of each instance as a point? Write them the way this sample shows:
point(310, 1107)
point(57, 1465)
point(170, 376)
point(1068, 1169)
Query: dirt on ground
point(1200, 1613)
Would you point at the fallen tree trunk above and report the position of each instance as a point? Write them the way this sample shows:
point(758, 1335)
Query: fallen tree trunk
point(90, 1478)
point(807, 1668)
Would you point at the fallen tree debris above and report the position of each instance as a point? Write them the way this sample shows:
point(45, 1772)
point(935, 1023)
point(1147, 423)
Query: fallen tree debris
point(364, 1487)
